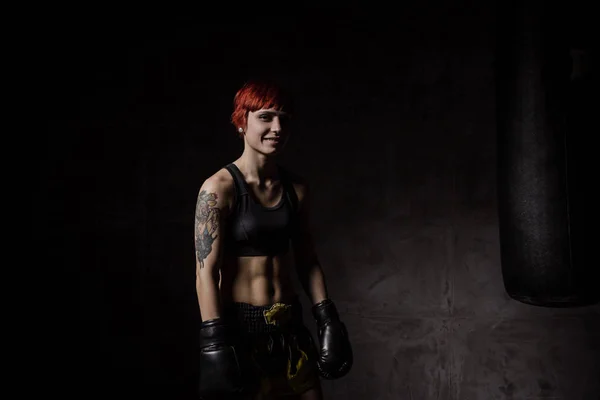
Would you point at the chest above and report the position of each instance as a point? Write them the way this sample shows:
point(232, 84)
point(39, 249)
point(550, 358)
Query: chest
point(265, 197)
point(253, 221)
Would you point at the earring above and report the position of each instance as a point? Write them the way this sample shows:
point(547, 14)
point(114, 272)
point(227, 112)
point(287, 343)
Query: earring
point(241, 130)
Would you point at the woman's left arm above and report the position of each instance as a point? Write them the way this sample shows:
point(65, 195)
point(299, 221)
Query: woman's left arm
point(335, 353)
point(308, 268)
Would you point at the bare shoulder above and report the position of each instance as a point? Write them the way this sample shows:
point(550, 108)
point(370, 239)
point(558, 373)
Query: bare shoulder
point(220, 185)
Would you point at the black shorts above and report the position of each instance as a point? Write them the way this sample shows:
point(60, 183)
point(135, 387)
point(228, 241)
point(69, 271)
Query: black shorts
point(280, 346)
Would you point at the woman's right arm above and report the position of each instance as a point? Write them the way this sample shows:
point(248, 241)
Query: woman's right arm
point(222, 366)
point(209, 228)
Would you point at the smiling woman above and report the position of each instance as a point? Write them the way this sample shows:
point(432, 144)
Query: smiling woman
point(266, 127)
point(261, 114)
point(251, 233)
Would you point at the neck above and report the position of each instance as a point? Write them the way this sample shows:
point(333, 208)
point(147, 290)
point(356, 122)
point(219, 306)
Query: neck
point(257, 166)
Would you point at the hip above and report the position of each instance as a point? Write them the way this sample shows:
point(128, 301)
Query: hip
point(281, 348)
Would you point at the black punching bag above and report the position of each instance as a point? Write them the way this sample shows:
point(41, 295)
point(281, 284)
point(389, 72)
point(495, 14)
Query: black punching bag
point(539, 197)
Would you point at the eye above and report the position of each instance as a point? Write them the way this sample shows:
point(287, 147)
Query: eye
point(265, 117)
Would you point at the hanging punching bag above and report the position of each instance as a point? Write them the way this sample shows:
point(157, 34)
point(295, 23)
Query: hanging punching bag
point(539, 208)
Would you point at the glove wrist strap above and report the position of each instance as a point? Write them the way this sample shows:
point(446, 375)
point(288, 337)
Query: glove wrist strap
point(325, 311)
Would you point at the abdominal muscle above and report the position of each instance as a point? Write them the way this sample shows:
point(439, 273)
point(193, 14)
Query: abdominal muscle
point(257, 280)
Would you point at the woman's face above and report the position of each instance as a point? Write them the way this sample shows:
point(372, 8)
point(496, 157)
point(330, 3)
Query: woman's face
point(267, 130)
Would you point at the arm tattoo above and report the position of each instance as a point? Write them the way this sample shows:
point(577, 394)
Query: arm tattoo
point(207, 224)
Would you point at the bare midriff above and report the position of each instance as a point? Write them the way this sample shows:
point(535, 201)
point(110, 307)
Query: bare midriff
point(257, 280)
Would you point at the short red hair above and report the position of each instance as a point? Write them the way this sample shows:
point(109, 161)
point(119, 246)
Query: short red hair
point(256, 95)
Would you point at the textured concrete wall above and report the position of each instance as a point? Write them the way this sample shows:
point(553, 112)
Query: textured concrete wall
point(395, 131)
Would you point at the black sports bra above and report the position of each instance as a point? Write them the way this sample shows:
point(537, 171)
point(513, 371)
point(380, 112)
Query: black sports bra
point(256, 230)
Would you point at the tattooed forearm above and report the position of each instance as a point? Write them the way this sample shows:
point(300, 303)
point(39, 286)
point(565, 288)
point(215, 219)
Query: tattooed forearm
point(207, 224)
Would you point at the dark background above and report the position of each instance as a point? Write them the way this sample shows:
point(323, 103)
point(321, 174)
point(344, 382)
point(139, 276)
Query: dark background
point(395, 130)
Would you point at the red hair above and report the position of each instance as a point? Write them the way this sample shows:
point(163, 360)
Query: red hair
point(255, 95)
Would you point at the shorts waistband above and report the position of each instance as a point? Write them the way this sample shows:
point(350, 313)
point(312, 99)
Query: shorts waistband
point(268, 318)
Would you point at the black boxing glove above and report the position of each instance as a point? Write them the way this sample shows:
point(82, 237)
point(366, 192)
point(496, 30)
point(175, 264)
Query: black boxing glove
point(335, 355)
point(223, 367)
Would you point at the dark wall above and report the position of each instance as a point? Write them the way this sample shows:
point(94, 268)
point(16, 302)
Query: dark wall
point(395, 130)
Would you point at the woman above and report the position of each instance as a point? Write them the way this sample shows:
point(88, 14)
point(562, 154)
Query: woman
point(251, 233)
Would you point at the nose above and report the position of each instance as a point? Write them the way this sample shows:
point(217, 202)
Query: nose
point(276, 125)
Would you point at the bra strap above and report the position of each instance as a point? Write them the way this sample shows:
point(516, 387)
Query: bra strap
point(289, 188)
point(238, 179)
